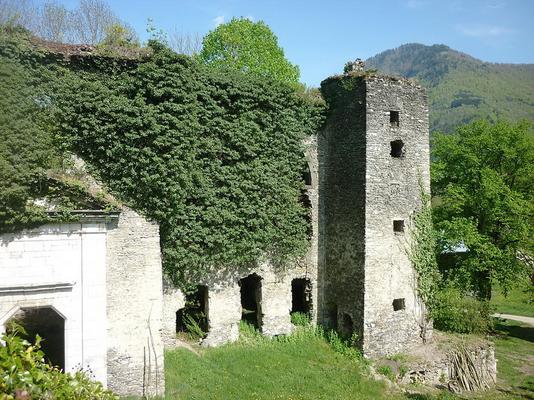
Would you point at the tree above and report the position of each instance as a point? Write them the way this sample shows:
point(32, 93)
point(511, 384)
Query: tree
point(482, 182)
point(249, 47)
point(91, 20)
point(184, 43)
point(19, 12)
point(120, 35)
point(55, 22)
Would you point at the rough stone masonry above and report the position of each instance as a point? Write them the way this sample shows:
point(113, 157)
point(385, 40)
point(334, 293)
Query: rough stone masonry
point(374, 161)
point(366, 171)
point(101, 278)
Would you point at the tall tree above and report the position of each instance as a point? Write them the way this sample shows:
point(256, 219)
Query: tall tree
point(19, 12)
point(482, 182)
point(250, 47)
point(185, 43)
point(54, 22)
point(91, 20)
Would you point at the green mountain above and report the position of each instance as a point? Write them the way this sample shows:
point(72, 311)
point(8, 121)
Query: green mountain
point(462, 88)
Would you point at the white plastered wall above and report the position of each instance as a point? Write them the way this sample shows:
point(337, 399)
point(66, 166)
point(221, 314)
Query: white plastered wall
point(62, 266)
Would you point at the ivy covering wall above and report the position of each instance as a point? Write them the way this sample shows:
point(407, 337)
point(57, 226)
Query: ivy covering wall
point(215, 158)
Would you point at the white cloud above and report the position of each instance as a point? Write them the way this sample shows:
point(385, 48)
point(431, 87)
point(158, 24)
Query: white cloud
point(484, 31)
point(218, 20)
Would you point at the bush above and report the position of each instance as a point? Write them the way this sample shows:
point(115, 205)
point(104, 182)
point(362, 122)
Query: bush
point(300, 319)
point(25, 374)
point(455, 312)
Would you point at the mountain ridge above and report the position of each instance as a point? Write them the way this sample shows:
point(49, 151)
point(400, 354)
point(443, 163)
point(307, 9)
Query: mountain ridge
point(462, 88)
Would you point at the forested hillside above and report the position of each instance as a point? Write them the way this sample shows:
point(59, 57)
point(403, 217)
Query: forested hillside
point(462, 88)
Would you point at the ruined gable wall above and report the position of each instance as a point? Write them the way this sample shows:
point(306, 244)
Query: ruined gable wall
point(224, 300)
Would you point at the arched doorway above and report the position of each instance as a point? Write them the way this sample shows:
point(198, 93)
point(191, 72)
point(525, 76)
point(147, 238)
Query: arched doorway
point(49, 325)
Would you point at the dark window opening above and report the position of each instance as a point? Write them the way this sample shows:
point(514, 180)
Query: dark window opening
point(49, 325)
point(306, 175)
point(398, 226)
point(195, 312)
point(331, 315)
point(301, 296)
point(307, 205)
point(346, 327)
point(398, 304)
point(394, 118)
point(251, 300)
point(397, 148)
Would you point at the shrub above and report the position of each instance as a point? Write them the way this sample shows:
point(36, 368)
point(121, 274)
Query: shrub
point(193, 327)
point(300, 319)
point(455, 312)
point(25, 374)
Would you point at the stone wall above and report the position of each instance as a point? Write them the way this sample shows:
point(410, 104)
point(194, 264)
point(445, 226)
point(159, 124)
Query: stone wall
point(62, 267)
point(342, 160)
point(134, 307)
point(433, 363)
point(224, 309)
point(370, 188)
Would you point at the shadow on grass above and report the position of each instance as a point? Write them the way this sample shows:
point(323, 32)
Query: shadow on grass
point(439, 396)
point(520, 332)
point(518, 395)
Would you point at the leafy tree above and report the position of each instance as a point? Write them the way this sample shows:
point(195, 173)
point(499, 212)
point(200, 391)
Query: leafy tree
point(119, 35)
point(249, 47)
point(482, 180)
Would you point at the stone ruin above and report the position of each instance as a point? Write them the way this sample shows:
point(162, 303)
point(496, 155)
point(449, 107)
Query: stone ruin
point(101, 278)
point(365, 171)
point(92, 289)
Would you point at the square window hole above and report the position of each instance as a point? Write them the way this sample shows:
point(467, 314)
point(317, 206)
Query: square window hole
point(398, 304)
point(397, 148)
point(398, 226)
point(394, 118)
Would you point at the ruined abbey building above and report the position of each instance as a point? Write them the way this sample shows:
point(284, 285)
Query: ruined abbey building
point(94, 288)
point(363, 186)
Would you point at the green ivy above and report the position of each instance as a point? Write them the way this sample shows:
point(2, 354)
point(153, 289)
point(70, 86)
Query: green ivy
point(215, 158)
point(422, 251)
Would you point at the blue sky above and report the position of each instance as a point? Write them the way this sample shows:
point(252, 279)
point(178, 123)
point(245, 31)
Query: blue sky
point(320, 36)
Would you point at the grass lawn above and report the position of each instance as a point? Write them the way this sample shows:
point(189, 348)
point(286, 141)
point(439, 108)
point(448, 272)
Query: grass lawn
point(305, 366)
point(301, 367)
point(514, 348)
point(515, 303)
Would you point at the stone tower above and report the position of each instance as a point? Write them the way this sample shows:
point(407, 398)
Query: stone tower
point(374, 156)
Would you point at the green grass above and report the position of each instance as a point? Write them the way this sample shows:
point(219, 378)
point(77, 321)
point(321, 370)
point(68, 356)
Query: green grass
point(516, 302)
point(311, 365)
point(303, 366)
point(514, 349)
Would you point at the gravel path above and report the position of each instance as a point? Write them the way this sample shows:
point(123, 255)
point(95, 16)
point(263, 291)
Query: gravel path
point(520, 318)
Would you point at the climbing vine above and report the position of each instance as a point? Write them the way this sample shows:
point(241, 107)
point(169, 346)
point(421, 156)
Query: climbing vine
point(215, 158)
point(422, 251)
